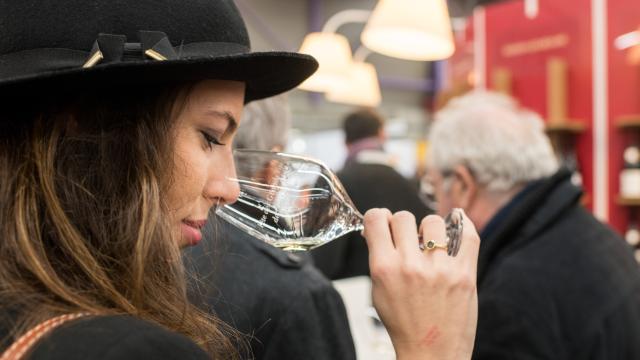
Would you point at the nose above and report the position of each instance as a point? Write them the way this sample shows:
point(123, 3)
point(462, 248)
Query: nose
point(232, 189)
point(222, 186)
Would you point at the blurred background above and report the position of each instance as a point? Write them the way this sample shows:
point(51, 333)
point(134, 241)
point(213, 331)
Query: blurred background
point(576, 62)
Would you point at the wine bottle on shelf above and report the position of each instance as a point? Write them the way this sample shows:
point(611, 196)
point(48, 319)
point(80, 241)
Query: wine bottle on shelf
point(570, 161)
point(632, 235)
point(630, 174)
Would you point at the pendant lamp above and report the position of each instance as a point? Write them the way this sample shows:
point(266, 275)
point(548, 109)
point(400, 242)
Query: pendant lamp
point(360, 87)
point(410, 29)
point(334, 56)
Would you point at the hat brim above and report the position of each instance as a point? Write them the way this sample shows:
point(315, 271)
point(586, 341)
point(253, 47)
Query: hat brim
point(264, 73)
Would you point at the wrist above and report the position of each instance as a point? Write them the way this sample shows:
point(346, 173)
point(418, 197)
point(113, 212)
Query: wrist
point(422, 353)
point(414, 353)
point(415, 356)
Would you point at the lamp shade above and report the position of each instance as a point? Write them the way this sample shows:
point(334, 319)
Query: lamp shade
point(410, 29)
point(360, 87)
point(334, 56)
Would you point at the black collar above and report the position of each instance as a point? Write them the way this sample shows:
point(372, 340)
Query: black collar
point(534, 212)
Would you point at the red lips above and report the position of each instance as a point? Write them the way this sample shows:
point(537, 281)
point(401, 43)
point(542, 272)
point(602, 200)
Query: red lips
point(191, 230)
point(198, 224)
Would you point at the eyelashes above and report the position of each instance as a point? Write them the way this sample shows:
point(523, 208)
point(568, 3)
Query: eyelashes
point(211, 140)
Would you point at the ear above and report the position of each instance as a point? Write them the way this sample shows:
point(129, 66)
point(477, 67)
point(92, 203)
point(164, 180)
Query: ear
point(382, 135)
point(465, 187)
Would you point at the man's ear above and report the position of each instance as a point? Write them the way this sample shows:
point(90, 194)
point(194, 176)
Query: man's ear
point(465, 187)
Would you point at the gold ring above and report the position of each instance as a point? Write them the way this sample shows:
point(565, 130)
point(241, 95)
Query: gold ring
point(432, 245)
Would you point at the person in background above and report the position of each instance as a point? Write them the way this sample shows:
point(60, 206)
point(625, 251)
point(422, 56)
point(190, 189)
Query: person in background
point(553, 282)
point(371, 182)
point(280, 300)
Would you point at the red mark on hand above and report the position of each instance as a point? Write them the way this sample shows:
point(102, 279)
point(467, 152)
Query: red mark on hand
point(432, 336)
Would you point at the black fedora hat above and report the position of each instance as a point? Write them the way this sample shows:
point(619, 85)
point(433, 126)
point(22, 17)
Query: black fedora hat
point(45, 44)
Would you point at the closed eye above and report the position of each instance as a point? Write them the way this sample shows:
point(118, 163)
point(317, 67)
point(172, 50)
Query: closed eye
point(211, 140)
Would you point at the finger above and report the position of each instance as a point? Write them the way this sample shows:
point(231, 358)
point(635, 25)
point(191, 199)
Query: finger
point(377, 233)
point(405, 234)
point(470, 245)
point(432, 227)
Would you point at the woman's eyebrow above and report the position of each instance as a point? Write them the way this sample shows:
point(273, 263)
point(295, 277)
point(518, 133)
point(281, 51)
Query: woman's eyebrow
point(232, 123)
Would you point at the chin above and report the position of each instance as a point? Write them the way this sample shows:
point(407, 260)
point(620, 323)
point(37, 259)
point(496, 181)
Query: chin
point(179, 239)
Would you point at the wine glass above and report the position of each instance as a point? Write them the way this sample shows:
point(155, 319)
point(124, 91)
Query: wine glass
point(291, 202)
point(296, 203)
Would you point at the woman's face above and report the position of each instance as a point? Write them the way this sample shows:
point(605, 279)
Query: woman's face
point(203, 158)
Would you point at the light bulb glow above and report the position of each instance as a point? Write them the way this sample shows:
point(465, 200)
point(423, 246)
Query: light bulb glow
point(410, 29)
point(360, 87)
point(334, 56)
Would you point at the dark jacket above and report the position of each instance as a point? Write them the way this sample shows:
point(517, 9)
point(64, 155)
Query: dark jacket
point(112, 337)
point(370, 186)
point(555, 283)
point(290, 310)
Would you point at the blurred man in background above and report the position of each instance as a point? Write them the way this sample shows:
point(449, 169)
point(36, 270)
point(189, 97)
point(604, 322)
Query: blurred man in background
point(286, 306)
point(553, 282)
point(371, 182)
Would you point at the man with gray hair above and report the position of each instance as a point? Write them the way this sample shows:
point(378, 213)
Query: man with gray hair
point(265, 125)
point(553, 282)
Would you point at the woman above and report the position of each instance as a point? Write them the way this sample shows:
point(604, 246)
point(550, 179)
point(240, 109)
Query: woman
point(117, 123)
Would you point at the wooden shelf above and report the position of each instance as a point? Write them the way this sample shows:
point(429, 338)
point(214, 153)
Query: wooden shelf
point(625, 201)
point(628, 122)
point(571, 127)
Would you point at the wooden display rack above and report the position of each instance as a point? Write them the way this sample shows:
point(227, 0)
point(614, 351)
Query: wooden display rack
point(565, 127)
point(502, 81)
point(626, 201)
point(557, 100)
point(631, 124)
point(562, 132)
point(628, 122)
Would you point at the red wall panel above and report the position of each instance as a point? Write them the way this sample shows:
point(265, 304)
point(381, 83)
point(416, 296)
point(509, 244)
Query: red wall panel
point(523, 45)
point(624, 96)
point(563, 29)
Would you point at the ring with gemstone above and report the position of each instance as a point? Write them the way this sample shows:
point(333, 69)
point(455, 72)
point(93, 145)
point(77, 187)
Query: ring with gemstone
point(432, 245)
point(454, 229)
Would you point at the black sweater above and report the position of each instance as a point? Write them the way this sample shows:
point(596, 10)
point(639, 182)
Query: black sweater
point(113, 337)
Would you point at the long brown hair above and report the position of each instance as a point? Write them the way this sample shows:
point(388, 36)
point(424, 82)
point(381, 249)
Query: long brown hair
point(82, 219)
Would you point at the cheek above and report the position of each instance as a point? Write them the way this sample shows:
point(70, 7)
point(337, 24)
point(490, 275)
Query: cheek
point(188, 179)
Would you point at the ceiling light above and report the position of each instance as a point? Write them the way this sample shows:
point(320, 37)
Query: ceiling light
point(360, 87)
point(334, 56)
point(410, 29)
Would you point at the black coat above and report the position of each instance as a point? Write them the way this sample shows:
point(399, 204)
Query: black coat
point(290, 310)
point(555, 283)
point(369, 186)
